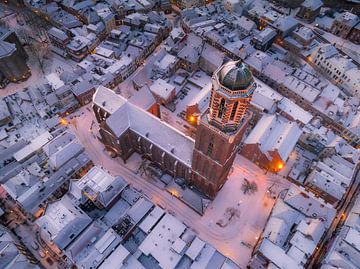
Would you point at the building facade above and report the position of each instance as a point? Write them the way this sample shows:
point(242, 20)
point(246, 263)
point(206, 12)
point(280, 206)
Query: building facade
point(271, 142)
point(310, 9)
point(204, 163)
point(222, 127)
point(339, 69)
point(343, 24)
point(12, 57)
point(12, 63)
point(355, 34)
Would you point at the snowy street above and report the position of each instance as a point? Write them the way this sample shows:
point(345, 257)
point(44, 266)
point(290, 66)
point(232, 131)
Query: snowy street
point(32, 36)
point(179, 134)
point(29, 237)
point(236, 238)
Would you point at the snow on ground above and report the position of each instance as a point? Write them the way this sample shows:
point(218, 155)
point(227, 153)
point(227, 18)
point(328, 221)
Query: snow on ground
point(239, 231)
point(37, 77)
point(253, 209)
point(239, 235)
point(134, 162)
point(193, 91)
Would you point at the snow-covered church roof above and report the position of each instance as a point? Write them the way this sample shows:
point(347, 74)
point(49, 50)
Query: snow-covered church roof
point(129, 116)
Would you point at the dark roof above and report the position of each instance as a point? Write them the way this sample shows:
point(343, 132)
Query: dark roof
point(235, 76)
point(4, 32)
point(6, 49)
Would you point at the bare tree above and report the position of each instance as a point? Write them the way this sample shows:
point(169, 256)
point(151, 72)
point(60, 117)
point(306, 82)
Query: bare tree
point(229, 215)
point(249, 187)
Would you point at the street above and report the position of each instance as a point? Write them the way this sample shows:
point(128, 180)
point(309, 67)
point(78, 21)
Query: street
point(343, 211)
point(254, 209)
point(32, 33)
point(28, 235)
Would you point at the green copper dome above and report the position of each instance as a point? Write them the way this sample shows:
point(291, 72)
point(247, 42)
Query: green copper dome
point(235, 76)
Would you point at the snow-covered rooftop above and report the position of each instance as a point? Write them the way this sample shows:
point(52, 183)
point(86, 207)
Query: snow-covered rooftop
point(62, 222)
point(159, 242)
point(275, 133)
point(294, 111)
point(162, 89)
point(12, 255)
point(99, 185)
point(129, 116)
point(107, 99)
point(309, 205)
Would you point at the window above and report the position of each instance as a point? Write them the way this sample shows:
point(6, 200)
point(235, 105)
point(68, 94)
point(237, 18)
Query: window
point(233, 111)
point(221, 108)
point(210, 148)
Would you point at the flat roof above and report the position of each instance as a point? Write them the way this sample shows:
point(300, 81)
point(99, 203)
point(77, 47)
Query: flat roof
point(116, 259)
point(34, 145)
point(63, 221)
point(154, 216)
point(277, 255)
point(161, 88)
point(159, 242)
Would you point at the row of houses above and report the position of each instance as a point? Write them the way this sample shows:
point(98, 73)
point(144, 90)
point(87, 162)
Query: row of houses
point(132, 232)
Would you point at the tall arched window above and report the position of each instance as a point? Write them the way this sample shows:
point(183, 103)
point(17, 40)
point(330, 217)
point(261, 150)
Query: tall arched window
point(221, 108)
point(210, 148)
point(233, 111)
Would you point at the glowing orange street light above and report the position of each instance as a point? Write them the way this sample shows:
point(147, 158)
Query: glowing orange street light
point(280, 166)
point(174, 192)
point(192, 118)
point(63, 121)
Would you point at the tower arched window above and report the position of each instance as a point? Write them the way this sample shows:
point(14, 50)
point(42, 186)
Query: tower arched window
point(210, 148)
point(233, 111)
point(221, 108)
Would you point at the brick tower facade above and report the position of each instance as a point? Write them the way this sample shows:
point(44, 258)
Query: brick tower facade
point(222, 126)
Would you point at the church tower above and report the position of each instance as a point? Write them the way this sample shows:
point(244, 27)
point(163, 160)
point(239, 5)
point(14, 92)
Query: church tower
point(222, 126)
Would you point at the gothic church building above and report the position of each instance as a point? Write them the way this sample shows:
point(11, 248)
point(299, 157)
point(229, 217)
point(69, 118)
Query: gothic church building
point(204, 162)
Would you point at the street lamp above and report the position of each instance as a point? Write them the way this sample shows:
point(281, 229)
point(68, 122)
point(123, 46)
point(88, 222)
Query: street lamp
point(63, 121)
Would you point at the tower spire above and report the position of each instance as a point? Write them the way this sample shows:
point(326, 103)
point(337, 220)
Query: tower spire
point(220, 131)
point(233, 87)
